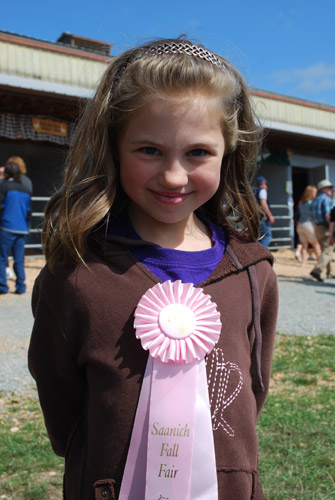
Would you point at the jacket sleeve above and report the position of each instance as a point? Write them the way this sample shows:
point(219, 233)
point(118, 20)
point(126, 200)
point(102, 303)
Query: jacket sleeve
point(268, 291)
point(60, 382)
point(3, 193)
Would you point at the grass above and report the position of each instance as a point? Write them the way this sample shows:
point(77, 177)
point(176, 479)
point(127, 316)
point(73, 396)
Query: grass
point(29, 470)
point(296, 431)
point(297, 427)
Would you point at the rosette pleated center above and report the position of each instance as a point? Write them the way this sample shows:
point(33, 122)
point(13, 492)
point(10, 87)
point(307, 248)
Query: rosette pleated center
point(177, 322)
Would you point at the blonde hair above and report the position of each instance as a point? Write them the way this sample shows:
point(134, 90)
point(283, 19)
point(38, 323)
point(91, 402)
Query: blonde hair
point(20, 162)
point(308, 193)
point(91, 189)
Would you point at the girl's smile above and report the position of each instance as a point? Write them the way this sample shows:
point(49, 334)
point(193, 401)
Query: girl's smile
point(170, 159)
point(170, 198)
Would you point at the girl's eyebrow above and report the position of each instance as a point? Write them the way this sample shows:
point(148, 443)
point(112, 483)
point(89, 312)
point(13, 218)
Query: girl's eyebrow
point(204, 145)
point(143, 140)
point(195, 145)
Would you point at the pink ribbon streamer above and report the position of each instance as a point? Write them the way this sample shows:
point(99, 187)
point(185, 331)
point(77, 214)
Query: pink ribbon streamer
point(171, 454)
point(171, 431)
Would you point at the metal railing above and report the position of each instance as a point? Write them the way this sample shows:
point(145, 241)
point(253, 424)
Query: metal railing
point(37, 216)
point(283, 228)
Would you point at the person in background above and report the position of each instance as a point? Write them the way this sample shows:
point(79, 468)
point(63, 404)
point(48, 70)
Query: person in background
point(267, 219)
point(306, 228)
point(9, 272)
point(321, 208)
point(14, 218)
point(23, 169)
point(25, 180)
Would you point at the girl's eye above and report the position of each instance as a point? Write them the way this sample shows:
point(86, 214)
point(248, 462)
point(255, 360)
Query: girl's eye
point(148, 150)
point(198, 152)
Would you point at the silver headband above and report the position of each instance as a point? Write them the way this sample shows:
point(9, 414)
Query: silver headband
point(171, 48)
point(187, 49)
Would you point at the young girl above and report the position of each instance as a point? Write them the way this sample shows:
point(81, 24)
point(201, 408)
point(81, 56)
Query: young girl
point(157, 175)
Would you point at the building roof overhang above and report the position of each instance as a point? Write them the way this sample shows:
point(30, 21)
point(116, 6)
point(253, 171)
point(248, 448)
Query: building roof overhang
point(298, 130)
point(290, 121)
point(31, 84)
point(57, 47)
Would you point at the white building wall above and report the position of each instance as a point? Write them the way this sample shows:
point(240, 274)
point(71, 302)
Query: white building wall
point(279, 114)
point(50, 66)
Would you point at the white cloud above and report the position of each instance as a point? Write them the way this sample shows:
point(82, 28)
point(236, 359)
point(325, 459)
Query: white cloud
point(314, 78)
point(286, 18)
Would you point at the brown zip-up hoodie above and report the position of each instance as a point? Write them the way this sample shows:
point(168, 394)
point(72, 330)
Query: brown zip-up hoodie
point(88, 365)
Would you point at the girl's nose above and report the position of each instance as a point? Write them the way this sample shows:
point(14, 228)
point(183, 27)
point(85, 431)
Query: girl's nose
point(174, 175)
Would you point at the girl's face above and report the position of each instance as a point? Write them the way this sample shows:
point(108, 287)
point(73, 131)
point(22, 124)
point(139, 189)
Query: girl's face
point(170, 157)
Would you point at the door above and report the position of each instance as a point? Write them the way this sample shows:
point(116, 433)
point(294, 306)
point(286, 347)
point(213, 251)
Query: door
point(317, 174)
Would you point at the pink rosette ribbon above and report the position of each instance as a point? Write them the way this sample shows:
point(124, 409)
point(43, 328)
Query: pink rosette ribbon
point(171, 454)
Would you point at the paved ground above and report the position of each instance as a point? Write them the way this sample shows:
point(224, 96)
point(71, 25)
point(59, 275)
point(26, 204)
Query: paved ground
point(16, 325)
point(306, 308)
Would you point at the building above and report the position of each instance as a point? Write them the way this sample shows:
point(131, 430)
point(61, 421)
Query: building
point(299, 149)
point(43, 86)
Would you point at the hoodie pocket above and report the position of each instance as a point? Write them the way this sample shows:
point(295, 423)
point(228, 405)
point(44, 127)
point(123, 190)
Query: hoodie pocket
point(104, 489)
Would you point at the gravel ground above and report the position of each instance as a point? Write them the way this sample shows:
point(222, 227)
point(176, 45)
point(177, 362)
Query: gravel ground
point(306, 308)
point(16, 325)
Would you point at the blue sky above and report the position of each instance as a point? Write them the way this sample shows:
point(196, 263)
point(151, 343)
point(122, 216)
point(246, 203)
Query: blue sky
point(285, 46)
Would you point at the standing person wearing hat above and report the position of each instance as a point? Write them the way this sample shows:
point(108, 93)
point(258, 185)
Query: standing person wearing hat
point(321, 208)
point(267, 218)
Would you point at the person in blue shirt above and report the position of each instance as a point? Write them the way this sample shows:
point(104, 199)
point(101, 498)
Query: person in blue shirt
point(26, 182)
point(321, 208)
point(14, 224)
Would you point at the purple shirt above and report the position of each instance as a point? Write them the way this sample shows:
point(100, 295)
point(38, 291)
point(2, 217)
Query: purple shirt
point(171, 264)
